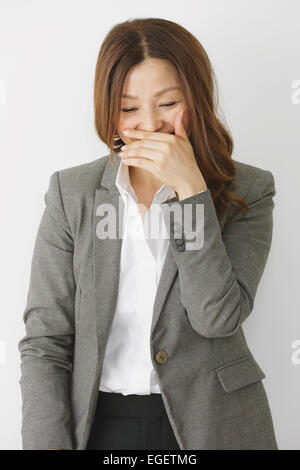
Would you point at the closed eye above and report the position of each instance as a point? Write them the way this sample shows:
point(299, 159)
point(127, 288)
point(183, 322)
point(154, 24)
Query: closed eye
point(129, 110)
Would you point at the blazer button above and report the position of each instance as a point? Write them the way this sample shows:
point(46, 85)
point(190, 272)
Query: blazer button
point(161, 357)
point(180, 247)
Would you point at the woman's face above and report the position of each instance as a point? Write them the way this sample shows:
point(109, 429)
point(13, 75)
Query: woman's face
point(149, 107)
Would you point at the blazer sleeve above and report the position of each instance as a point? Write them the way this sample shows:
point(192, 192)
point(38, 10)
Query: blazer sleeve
point(47, 348)
point(218, 281)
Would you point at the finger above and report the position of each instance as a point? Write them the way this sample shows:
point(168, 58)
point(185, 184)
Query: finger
point(160, 136)
point(179, 126)
point(144, 143)
point(142, 152)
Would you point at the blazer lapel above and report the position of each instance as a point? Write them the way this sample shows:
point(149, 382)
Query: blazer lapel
point(168, 274)
point(107, 254)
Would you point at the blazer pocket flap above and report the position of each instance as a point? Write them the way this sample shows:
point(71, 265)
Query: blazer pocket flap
point(240, 373)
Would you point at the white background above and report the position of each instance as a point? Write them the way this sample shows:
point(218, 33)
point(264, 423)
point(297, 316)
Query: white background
point(48, 53)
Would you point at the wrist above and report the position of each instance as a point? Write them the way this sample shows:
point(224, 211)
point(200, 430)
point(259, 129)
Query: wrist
point(190, 190)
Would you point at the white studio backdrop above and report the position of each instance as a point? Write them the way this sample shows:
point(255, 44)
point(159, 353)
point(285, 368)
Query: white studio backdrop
point(48, 53)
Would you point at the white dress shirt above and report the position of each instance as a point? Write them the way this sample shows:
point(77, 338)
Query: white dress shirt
point(127, 366)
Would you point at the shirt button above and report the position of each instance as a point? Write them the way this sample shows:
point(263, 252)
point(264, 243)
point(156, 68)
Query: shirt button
point(161, 357)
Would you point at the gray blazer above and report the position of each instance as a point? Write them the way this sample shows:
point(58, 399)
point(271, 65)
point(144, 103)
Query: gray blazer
point(210, 382)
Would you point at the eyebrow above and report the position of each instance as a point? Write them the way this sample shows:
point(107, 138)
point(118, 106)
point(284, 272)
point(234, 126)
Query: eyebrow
point(164, 90)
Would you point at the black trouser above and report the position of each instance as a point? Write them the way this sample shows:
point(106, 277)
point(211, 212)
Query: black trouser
point(131, 422)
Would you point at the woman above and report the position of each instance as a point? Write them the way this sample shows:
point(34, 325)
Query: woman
point(137, 342)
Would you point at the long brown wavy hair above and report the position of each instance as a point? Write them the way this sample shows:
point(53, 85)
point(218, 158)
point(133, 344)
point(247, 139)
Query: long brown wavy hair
point(129, 43)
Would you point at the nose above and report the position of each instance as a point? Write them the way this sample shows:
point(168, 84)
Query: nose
point(150, 121)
